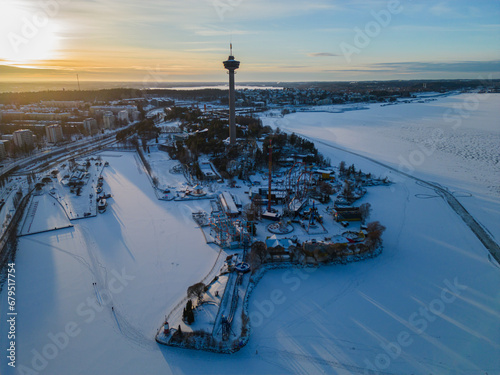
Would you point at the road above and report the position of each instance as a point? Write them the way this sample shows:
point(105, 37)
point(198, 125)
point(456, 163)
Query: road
point(56, 155)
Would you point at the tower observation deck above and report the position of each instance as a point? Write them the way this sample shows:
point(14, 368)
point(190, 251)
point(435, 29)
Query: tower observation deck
point(231, 65)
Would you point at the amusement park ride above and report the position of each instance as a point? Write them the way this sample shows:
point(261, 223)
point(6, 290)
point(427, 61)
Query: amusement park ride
point(230, 232)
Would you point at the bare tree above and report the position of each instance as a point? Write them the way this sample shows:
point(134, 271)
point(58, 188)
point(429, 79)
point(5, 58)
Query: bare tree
point(196, 290)
point(342, 167)
point(72, 163)
point(326, 188)
point(233, 168)
point(365, 210)
point(258, 254)
point(347, 190)
point(374, 236)
point(252, 211)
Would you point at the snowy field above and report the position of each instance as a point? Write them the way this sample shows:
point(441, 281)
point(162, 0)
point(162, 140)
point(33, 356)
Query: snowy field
point(7, 195)
point(454, 141)
point(162, 166)
point(42, 214)
point(427, 305)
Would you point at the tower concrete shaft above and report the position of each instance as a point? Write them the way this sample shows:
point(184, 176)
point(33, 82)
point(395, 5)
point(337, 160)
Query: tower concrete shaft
point(231, 65)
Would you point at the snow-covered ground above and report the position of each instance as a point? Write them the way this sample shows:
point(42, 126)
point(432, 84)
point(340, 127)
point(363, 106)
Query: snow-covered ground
point(427, 305)
point(7, 194)
point(78, 206)
point(141, 253)
point(162, 166)
point(454, 141)
point(43, 213)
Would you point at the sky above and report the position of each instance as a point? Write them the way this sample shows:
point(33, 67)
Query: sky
point(153, 41)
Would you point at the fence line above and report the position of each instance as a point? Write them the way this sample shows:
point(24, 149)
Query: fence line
point(11, 228)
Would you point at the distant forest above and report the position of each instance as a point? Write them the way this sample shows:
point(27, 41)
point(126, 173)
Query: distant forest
point(411, 85)
point(22, 98)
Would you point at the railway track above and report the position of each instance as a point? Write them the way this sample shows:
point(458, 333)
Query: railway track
point(80, 151)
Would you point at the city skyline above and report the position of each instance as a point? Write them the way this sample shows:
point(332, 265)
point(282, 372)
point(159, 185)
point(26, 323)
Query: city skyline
point(153, 41)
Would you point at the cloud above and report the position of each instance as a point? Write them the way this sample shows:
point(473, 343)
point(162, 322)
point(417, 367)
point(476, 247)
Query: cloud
point(335, 30)
point(217, 31)
point(207, 50)
point(454, 10)
point(360, 70)
point(322, 54)
point(293, 66)
point(427, 67)
point(455, 66)
point(245, 10)
point(441, 28)
point(441, 9)
point(14, 73)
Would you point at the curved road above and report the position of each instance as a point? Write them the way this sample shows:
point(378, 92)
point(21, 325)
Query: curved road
point(453, 202)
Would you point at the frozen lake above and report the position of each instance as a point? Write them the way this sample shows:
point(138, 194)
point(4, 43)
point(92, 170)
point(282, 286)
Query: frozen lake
point(427, 304)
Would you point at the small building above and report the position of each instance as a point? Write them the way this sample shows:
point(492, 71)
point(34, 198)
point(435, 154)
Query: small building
point(228, 204)
point(7, 137)
point(277, 195)
point(273, 216)
point(347, 214)
point(108, 120)
point(208, 171)
point(123, 116)
point(278, 248)
point(197, 191)
point(136, 115)
point(324, 174)
point(62, 103)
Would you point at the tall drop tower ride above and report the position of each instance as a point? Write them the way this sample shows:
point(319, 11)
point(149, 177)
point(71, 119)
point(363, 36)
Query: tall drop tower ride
point(231, 65)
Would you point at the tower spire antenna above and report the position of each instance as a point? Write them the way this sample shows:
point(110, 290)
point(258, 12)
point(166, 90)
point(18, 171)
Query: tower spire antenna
point(231, 65)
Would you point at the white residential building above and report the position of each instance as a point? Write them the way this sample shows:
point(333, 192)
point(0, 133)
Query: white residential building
point(54, 133)
point(62, 103)
point(3, 149)
point(23, 137)
point(136, 115)
point(90, 126)
point(96, 109)
point(123, 116)
point(108, 120)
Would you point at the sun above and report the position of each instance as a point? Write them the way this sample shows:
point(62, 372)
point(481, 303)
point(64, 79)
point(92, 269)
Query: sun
point(27, 33)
